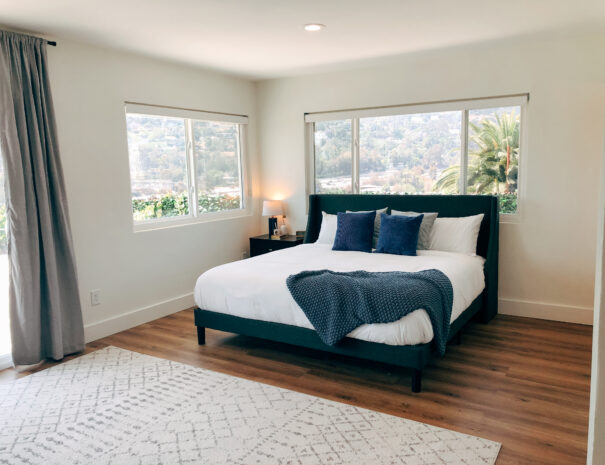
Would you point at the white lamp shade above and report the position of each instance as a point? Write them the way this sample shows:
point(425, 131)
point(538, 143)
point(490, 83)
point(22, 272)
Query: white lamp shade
point(272, 208)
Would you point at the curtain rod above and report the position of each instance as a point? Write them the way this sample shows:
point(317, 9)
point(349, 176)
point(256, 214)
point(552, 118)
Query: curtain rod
point(52, 43)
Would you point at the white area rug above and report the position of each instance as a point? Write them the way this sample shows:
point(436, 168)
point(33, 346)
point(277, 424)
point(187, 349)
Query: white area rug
point(114, 406)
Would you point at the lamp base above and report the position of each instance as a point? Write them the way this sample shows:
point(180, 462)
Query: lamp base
point(272, 225)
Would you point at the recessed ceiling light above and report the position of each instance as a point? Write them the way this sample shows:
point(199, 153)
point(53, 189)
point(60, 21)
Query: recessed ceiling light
point(314, 27)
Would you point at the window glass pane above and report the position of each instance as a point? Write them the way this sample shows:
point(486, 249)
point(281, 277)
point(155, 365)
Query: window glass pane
point(218, 166)
point(410, 154)
point(333, 158)
point(493, 154)
point(158, 166)
point(5, 339)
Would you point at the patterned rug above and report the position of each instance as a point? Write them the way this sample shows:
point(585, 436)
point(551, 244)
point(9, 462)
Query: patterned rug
point(114, 406)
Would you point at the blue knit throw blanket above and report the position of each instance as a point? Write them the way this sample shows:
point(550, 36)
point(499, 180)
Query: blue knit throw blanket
point(336, 303)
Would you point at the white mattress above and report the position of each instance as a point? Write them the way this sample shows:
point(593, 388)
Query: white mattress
point(256, 288)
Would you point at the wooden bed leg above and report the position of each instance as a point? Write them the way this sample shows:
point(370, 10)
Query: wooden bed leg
point(416, 380)
point(201, 335)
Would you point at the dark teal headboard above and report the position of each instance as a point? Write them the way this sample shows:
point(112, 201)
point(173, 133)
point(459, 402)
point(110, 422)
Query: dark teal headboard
point(445, 205)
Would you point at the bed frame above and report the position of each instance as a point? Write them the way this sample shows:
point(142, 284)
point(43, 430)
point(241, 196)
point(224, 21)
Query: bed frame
point(415, 357)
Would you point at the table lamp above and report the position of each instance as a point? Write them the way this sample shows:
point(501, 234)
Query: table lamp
point(272, 208)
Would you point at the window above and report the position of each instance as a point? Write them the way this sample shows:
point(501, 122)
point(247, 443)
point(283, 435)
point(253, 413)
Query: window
point(457, 147)
point(184, 165)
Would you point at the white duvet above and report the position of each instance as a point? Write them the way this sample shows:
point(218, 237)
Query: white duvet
point(256, 288)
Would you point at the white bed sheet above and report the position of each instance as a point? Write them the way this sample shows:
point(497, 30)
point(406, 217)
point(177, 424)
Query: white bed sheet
point(256, 288)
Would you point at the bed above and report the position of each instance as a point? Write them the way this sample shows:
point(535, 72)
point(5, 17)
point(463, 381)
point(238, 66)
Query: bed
point(250, 297)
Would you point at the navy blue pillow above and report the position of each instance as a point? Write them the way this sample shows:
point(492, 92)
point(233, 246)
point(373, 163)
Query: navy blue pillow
point(398, 234)
point(354, 231)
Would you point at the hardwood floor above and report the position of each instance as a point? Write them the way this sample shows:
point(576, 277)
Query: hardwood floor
point(518, 381)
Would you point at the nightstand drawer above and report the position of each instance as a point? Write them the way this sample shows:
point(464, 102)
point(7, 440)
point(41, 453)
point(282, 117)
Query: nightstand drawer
point(262, 244)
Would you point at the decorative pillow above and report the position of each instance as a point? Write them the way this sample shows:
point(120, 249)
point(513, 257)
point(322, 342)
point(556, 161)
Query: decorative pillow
point(456, 234)
point(376, 223)
point(327, 233)
point(424, 236)
point(354, 231)
point(399, 234)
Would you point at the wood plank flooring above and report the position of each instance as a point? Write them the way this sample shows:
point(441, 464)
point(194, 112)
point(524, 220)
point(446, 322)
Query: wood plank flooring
point(518, 381)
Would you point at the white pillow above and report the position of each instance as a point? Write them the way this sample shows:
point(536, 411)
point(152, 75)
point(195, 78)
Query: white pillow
point(327, 233)
point(456, 234)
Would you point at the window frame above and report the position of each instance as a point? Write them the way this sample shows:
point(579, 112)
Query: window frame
point(189, 116)
point(464, 106)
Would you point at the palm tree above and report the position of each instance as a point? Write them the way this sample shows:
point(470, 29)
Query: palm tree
point(494, 161)
point(448, 183)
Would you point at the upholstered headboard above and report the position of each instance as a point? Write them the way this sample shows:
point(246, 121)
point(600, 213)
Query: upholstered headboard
point(445, 205)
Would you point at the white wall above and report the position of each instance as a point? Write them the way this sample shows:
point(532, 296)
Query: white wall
point(596, 431)
point(145, 275)
point(547, 259)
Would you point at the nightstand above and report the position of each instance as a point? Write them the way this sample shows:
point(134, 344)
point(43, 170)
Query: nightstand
point(262, 244)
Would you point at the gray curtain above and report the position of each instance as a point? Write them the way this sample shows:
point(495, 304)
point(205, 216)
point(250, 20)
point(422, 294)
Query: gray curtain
point(45, 312)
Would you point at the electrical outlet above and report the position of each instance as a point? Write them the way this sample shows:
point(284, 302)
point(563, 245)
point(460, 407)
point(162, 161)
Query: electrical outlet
point(244, 254)
point(95, 297)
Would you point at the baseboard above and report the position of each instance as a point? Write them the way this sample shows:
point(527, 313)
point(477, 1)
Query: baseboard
point(6, 361)
point(546, 311)
point(530, 309)
point(109, 326)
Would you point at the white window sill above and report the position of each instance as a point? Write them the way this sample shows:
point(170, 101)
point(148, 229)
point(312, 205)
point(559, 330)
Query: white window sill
point(510, 218)
point(173, 222)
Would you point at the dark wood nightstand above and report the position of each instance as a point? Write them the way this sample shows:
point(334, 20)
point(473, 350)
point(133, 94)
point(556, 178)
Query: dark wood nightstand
point(262, 244)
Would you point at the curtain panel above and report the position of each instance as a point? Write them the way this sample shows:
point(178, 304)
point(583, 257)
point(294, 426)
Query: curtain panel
point(45, 311)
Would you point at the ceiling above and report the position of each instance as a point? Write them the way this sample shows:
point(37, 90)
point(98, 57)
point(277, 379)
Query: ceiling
point(265, 38)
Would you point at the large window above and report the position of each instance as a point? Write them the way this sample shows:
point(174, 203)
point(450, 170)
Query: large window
point(470, 147)
point(184, 165)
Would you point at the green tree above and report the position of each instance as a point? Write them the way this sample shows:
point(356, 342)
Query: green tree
point(493, 165)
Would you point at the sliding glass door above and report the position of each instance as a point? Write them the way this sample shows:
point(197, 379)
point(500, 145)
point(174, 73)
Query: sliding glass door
point(5, 344)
